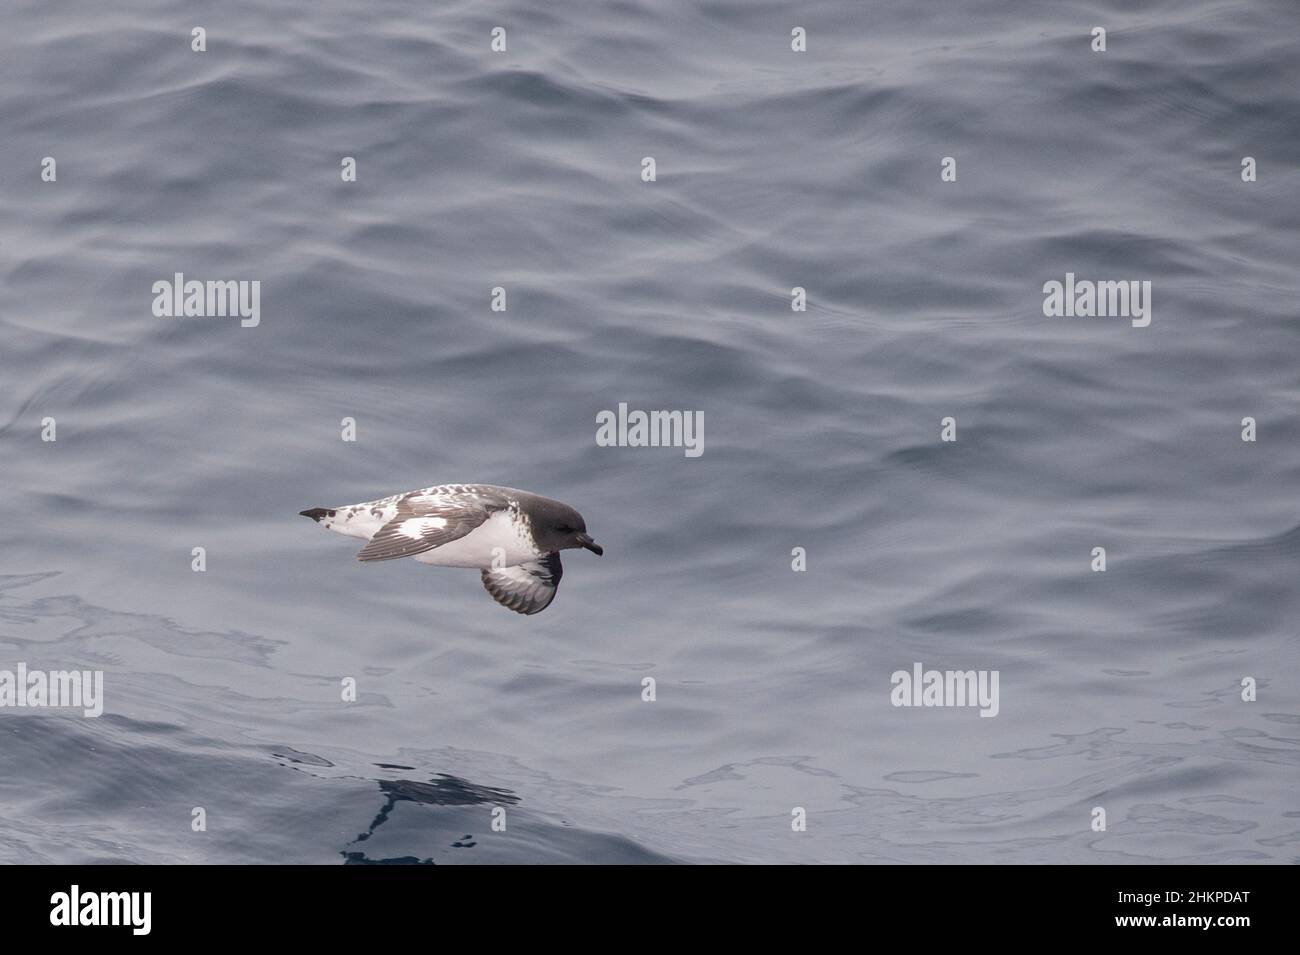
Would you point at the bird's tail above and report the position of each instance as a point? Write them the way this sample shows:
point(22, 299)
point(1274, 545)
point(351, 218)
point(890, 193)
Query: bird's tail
point(316, 513)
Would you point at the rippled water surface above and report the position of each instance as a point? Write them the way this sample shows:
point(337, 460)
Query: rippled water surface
point(775, 169)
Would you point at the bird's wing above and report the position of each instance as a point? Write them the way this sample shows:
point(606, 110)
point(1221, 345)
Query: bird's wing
point(525, 588)
point(423, 522)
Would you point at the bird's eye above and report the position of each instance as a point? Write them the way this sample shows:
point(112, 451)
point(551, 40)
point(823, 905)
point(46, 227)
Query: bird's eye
point(565, 529)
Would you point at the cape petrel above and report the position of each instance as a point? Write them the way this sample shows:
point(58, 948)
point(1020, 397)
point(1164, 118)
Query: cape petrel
point(513, 537)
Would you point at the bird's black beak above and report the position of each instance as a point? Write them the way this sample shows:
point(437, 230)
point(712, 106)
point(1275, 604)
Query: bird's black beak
point(590, 544)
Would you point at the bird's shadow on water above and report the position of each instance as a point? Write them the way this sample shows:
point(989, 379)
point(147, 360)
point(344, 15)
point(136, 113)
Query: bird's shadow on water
point(442, 790)
point(451, 804)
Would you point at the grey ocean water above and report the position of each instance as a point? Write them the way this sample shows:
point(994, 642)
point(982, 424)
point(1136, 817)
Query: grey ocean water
point(775, 169)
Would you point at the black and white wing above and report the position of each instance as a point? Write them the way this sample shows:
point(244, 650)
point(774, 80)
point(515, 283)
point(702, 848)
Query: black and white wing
point(525, 588)
point(423, 522)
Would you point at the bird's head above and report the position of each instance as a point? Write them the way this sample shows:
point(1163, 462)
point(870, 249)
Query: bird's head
point(562, 528)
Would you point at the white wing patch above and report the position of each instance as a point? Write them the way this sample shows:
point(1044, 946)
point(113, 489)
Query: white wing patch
point(416, 527)
point(420, 527)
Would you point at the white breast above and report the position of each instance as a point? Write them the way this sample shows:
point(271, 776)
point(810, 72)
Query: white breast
point(498, 535)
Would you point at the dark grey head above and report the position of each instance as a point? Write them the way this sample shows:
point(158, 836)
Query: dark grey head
point(557, 526)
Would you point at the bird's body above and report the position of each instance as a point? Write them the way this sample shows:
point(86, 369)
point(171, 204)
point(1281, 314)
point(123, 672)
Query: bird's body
point(501, 528)
point(514, 537)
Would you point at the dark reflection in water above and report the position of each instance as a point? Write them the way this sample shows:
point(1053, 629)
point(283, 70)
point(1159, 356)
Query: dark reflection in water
point(439, 791)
